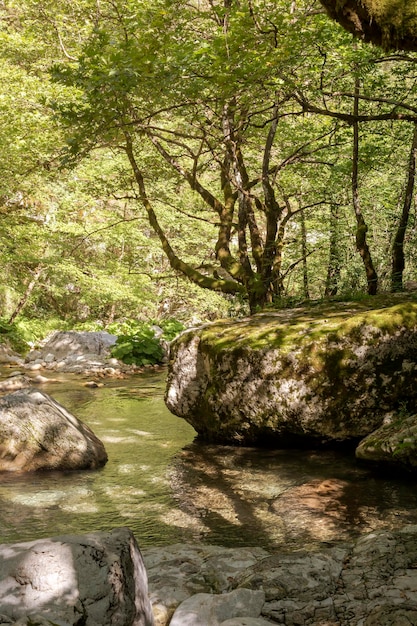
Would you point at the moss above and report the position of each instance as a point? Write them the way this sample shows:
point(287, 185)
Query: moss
point(305, 327)
point(390, 23)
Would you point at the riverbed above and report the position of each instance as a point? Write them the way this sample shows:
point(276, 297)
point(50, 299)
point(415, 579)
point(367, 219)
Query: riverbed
point(168, 488)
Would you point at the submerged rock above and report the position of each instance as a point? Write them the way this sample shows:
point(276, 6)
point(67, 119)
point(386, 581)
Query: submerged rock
point(323, 374)
point(37, 433)
point(92, 579)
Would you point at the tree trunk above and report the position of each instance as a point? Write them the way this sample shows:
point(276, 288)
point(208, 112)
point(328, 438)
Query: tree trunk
point(29, 288)
point(362, 228)
point(398, 261)
point(333, 268)
point(304, 255)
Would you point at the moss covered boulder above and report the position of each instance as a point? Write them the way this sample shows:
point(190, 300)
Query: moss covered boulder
point(323, 374)
point(388, 23)
point(394, 444)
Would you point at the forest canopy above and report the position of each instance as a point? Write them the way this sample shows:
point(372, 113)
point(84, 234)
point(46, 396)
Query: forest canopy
point(203, 158)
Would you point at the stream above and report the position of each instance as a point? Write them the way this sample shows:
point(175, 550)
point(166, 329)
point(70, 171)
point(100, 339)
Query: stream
point(169, 488)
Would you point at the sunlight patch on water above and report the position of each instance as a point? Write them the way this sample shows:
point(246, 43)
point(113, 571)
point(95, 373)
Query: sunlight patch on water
point(141, 433)
point(126, 468)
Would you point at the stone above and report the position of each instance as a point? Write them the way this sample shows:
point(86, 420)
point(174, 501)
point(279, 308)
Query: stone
point(369, 582)
point(15, 382)
point(246, 621)
point(180, 571)
point(95, 579)
point(7, 355)
point(205, 608)
point(393, 444)
point(62, 344)
point(330, 373)
point(37, 433)
point(73, 351)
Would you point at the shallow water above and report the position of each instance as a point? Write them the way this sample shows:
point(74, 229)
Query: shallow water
point(169, 488)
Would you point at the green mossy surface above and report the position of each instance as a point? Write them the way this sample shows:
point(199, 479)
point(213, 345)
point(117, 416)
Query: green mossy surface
point(285, 329)
point(329, 372)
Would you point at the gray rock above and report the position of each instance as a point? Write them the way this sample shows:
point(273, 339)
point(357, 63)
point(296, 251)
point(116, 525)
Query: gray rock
point(203, 608)
point(62, 344)
point(96, 579)
point(394, 444)
point(14, 383)
point(320, 374)
point(246, 621)
point(7, 355)
point(37, 433)
point(371, 582)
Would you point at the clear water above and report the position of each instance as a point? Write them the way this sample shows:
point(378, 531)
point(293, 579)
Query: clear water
point(169, 488)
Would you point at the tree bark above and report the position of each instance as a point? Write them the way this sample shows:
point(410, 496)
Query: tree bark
point(36, 274)
point(398, 259)
point(207, 282)
point(304, 255)
point(333, 268)
point(362, 228)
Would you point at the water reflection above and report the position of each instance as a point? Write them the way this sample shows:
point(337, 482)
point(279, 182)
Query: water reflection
point(169, 488)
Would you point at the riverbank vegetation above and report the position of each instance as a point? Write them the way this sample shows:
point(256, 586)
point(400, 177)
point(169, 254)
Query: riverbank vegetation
point(195, 160)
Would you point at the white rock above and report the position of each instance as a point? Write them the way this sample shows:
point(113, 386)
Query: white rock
point(96, 579)
point(204, 608)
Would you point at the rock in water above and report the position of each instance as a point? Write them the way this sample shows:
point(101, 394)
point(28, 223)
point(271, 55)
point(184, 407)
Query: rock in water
point(96, 579)
point(308, 375)
point(37, 433)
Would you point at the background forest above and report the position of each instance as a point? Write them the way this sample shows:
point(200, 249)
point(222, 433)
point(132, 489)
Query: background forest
point(190, 160)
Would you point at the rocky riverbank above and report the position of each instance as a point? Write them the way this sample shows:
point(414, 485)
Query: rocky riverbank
point(85, 353)
point(371, 582)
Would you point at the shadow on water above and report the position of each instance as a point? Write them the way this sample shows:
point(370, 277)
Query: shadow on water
point(169, 488)
point(296, 498)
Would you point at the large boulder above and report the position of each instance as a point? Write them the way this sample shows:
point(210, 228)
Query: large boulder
point(95, 579)
point(369, 582)
point(37, 433)
point(327, 373)
point(73, 351)
point(62, 344)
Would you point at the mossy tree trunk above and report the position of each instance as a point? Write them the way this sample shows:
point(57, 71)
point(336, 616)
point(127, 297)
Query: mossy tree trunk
point(390, 24)
point(398, 258)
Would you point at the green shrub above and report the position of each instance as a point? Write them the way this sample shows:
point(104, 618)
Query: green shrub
point(12, 335)
point(138, 348)
point(171, 328)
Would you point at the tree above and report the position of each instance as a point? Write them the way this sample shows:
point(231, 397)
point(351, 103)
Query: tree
point(221, 125)
point(398, 257)
point(387, 23)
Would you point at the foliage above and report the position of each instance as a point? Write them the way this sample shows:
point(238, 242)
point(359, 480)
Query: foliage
point(137, 342)
point(138, 348)
point(171, 328)
point(238, 116)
